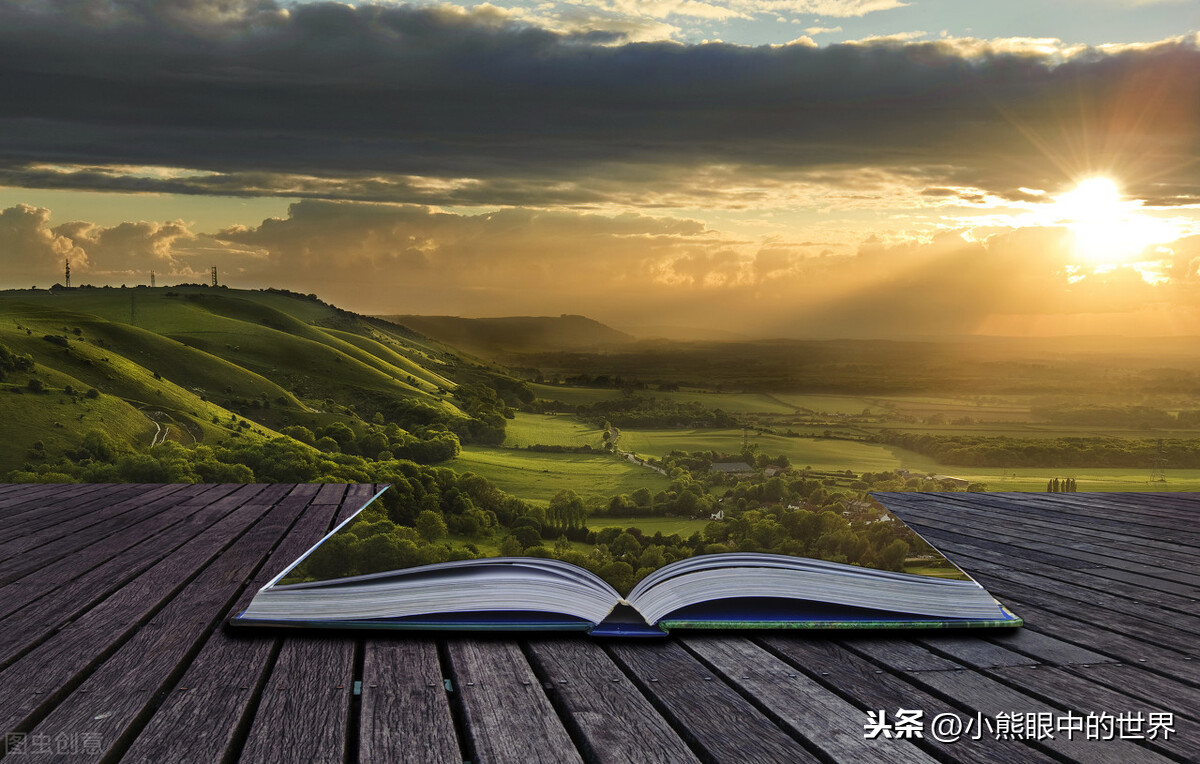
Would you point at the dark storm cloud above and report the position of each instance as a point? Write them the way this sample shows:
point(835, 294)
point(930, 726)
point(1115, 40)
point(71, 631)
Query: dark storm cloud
point(357, 98)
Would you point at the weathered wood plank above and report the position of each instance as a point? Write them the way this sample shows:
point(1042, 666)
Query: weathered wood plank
point(40, 617)
point(222, 683)
point(1149, 627)
point(613, 720)
point(405, 714)
point(1083, 552)
point(825, 720)
point(509, 718)
point(355, 498)
point(40, 675)
point(139, 537)
point(982, 554)
point(1098, 517)
point(1100, 600)
point(42, 547)
point(1173, 661)
point(1148, 590)
point(1132, 679)
point(330, 493)
point(983, 695)
point(1144, 516)
point(1113, 541)
point(710, 714)
point(1041, 648)
point(115, 697)
point(1095, 551)
point(50, 513)
point(1055, 685)
point(19, 505)
point(306, 703)
point(871, 688)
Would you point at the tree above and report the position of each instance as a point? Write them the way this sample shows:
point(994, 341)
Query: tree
point(626, 545)
point(526, 536)
point(510, 546)
point(566, 510)
point(430, 525)
point(619, 575)
point(302, 434)
point(893, 555)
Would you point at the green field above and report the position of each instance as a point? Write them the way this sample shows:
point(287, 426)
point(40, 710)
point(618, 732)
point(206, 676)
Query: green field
point(551, 430)
point(733, 403)
point(818, 453)
point(538, 476)
point(650, 525)
point(1014, 430)
point(575, 396)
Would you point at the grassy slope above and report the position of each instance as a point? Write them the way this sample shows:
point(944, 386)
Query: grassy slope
point(129, 393)
point(215, 351)
point(538, 476)
point(558, 430)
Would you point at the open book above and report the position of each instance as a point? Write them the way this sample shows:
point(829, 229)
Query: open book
point(723, 590)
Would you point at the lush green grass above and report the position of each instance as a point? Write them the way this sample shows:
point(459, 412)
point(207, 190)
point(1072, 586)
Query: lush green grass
point(650, 525)
point(551, 430)
point(575, 396)
point(734, 403)
point(818, 453)
point(59, 424)
point(269, 335)
point(538, 476)
point(128, 392)
point(920, 569)
point(199, 356)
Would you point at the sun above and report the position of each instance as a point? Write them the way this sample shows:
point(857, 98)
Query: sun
point(1107, 228)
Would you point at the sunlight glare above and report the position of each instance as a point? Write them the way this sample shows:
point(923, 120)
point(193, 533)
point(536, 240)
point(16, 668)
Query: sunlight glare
point(1107, 228)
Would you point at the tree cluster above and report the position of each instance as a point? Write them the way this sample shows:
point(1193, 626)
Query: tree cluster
point(1004, 451)
point(652, 411)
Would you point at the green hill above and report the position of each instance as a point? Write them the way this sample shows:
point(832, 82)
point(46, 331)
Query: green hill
point(217, 366)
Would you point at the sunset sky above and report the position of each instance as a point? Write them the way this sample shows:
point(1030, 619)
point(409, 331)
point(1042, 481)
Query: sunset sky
point(790, 168)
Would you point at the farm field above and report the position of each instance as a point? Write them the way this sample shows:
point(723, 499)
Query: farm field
point(820, 454)
point(1088, 479)
point(538, 476)
point(1034, 479)
point(551, 430)
point(733, 403)
point(1014, 430)
point(575, 396)
point(650, 525)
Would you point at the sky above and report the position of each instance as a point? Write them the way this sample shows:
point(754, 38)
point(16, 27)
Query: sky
point(771, 168)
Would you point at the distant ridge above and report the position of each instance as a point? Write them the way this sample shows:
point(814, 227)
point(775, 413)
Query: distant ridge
point(492, 337)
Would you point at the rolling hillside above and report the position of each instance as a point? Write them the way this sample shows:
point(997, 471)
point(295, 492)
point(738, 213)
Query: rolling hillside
point(207, 366)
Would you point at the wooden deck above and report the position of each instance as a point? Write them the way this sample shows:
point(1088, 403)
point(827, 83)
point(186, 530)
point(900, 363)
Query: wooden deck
point(112, 647)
